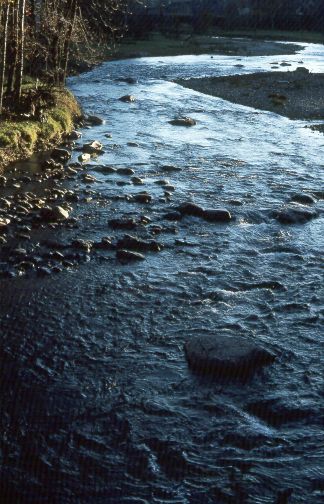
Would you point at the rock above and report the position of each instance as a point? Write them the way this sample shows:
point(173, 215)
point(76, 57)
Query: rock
point(126, 256)
point(191, 209)
point(137, 181)
point(304, 199)
point(4, 225)
point(123, 223)
point(132, 144)
point(295, 215)
point(43, 271)
point(127, 98)
point(226, 356)
point(74, 135)
point(3, 181)
point(162, 182)
point(277, 411)
point(170, 168)
point(127, 80)
point(54, 214)
point(142, 198)
point(88, 179)
point(173, 216)
point(183, 121)
point(95, 120)
point(125, 171)
point(94, 147)
point(132, 243)
point(84, 245)
point(61, 155)
point(217, 215)
point(104, 244)
point(302, 71)
point(84, 158)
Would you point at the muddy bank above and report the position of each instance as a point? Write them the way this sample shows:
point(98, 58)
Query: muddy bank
point(297, 95)
point(159, 45)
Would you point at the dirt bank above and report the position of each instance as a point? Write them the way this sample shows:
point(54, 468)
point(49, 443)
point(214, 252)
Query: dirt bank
point(297, 95)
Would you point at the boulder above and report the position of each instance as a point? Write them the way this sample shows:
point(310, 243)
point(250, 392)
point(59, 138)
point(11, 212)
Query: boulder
point(217, 215)
point(125, 171)
point(54, 214)
point(127, 98)
point(123, 223)
point(126, 256)
point(189, 208)
point(84, 245)
point(95, 120)
point(142, 198)
point(84, 158)
point(61, 155)
point(74, 135)
point(295, 215)
point(183, 121)
point(94, 147)
point(226, 356)
point(303, 198)
point(132, 243)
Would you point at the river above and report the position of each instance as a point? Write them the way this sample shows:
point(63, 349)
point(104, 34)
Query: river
point(98, 403)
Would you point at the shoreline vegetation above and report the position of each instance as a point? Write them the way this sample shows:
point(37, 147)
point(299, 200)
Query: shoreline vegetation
point(22, 136)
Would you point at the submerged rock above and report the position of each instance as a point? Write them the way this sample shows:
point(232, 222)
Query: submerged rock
point(95, 120)
point(191, 209)
point(303, 198)
point(183, 121)
point(295, 215)
point(74, 135)
point(84, 245)
point(126, 255)
point(279, 411)
point(132, 243)
point(123, 223)
point(217, 215)
point(94, 147)
point(127, 99)
point(226, 356)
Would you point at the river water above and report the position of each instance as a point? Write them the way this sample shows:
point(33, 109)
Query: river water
point(98, 403)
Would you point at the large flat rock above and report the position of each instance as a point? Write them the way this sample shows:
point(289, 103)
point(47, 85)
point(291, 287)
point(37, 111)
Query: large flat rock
point(226, 355)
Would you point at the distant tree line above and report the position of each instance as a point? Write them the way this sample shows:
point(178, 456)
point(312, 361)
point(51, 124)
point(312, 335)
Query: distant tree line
point(36, 38)
point(229, 14)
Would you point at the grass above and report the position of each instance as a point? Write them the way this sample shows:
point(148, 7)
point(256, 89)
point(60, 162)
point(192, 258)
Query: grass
point(20, 138)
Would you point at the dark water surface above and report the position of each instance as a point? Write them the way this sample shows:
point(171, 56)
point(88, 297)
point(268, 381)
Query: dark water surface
point(97, 402)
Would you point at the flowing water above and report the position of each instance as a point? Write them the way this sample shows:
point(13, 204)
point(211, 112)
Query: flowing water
point(98, 404)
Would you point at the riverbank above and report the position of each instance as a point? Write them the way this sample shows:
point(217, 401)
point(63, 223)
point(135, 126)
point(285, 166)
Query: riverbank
point(296, 95)
point(21, 136)
point(157, 44)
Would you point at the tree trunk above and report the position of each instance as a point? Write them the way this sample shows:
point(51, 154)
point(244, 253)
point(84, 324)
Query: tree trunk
point(21, 51)
point(3, 55)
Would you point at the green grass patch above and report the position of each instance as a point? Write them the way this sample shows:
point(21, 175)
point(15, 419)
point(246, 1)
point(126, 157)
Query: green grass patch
point(19, 138)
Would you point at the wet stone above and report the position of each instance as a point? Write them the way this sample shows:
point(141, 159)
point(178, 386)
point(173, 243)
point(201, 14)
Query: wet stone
point(127, 98)
point(123, 223)
point(191, 209)
point(132, 243)
point(74, 135)
point(84, 158)
point(173, 216)
point(61, 155)
point(104, 244)
point(142, 198)
point(95, 120)
point(226, 356)
point(217, 215)
point(279, 411)
point(170, 168)
point(94, 147)
point(183, 121)
point(125, 171)
point(303, 198)
point(84, 245)
point(295, 215)
point(128, 256)
point(54, 214)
